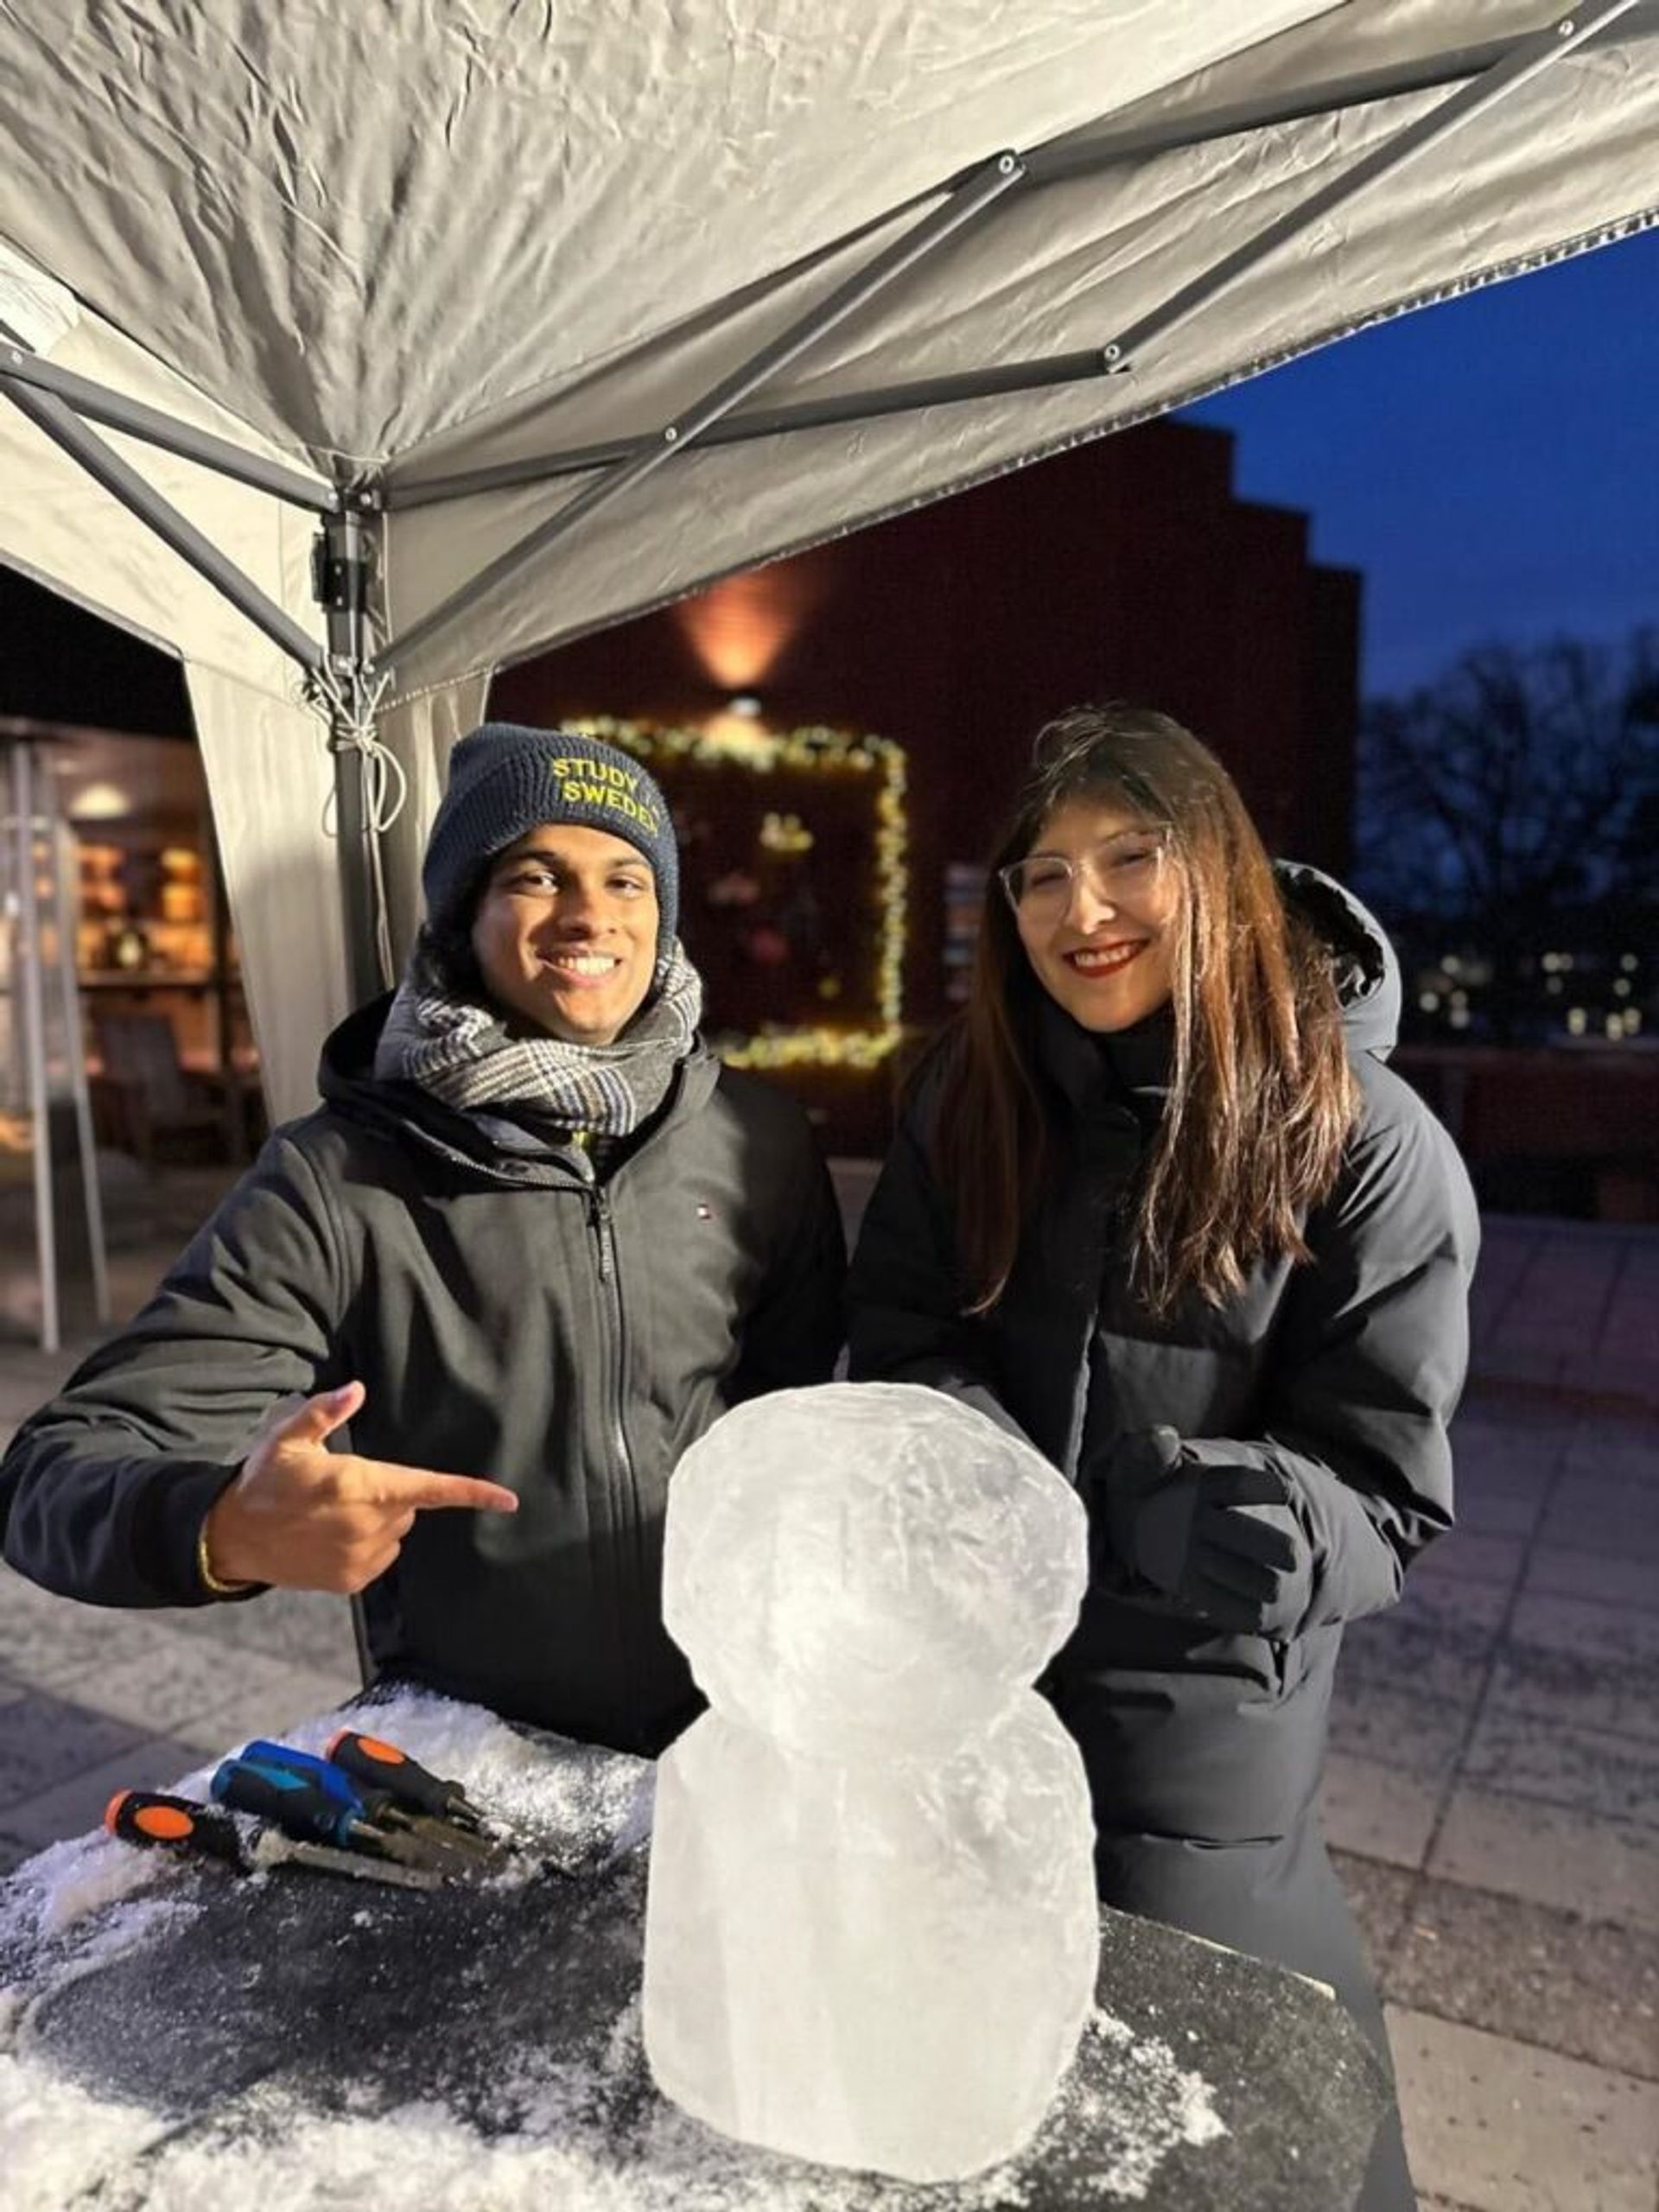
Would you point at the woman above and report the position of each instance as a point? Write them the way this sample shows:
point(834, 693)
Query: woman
point(1157, 1202)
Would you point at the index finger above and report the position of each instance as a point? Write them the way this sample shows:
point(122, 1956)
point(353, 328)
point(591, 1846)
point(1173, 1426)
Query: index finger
point(424, 1489)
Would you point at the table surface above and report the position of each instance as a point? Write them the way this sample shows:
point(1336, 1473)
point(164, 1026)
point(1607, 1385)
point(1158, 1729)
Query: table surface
point(171, 2037)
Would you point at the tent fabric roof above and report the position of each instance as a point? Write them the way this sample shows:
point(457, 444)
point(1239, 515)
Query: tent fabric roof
point(359, 228)
point(424, 239)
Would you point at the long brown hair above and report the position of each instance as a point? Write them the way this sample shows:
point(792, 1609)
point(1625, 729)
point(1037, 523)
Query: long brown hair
point(1261, 1094)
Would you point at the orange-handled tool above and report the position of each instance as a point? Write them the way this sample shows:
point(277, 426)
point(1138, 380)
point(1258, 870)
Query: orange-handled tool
point(147, 1816)
point(383, 1766)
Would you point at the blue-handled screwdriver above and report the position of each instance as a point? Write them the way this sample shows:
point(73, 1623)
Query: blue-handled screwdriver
point(409, 1837)
point(295, 1803)
point(333, 1780)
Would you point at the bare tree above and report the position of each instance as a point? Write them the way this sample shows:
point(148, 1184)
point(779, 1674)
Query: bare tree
point(1515, 799)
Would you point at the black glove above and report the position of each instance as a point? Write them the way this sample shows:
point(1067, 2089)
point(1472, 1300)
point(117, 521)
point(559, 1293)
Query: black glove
point(1223, 1543)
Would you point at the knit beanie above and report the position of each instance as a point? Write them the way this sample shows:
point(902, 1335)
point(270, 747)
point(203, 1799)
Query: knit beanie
point(506, 779)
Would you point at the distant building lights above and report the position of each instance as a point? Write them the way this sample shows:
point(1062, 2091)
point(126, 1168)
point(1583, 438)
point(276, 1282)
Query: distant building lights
point(1632, 1021)
point(1459, 1017)
point(1622, 986)
point(1459, 999)
point(1451, 964)
point(1552, 961)
point(1554, 984)
point(1627, 960)
point(1575, 1020)
point(1564, 962)
point(1428, 1000)
point(1615, 1027)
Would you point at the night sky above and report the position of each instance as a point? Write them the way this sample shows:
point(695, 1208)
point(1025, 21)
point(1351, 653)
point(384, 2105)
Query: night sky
point(1491, 464)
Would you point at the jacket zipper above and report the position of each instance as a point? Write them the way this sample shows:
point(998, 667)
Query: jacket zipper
point(607, 1249)
point(605, 1245)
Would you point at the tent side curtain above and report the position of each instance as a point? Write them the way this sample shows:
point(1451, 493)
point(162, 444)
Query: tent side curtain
point(270, 780)
point(418, 732)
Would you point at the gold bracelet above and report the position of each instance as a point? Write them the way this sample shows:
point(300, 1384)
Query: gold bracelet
point(210, 1581)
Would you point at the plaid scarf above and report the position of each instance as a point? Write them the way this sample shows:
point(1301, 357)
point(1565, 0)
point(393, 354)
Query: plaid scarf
point(462, 1054)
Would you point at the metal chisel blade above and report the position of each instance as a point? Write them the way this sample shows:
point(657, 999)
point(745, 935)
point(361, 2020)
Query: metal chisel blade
point(270, 1848)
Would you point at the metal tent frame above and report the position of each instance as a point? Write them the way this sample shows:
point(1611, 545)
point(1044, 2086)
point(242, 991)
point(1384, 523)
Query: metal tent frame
point(345, 679)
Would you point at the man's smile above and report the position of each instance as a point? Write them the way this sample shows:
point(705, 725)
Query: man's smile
point(581, 963)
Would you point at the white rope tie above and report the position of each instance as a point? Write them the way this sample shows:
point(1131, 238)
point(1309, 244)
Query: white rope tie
point(352, 708)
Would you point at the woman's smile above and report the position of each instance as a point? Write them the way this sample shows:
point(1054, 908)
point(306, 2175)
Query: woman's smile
point(1104, 959)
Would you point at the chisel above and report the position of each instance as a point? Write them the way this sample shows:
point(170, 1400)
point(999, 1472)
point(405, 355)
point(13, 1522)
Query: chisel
point(382, 1765)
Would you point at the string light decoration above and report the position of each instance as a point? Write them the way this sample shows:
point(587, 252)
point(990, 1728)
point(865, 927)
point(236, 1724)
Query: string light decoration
point(813, 750)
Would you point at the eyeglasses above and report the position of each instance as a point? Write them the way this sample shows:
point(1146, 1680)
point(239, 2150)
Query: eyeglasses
point(1121, 871)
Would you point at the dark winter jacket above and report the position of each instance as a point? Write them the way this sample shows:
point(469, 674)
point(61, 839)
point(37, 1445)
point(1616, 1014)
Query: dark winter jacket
point(1342, 1372)
point(514, 1317)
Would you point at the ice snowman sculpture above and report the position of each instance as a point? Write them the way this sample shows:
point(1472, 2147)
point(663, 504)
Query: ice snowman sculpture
point(871, 1937)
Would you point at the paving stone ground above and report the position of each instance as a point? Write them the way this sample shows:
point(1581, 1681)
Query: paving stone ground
point(1492, 1794)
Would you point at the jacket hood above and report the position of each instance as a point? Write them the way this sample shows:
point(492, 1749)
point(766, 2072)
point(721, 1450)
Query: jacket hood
point(1367, 972)
point(346, 1063)
point(347, 1082)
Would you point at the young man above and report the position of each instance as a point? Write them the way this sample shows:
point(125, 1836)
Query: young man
point(533, 1243)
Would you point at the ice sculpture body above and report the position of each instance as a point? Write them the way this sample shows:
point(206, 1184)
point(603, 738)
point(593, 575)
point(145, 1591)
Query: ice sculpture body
point(871, 1937)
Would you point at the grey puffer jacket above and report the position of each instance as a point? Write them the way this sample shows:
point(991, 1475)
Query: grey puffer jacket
point(1342, 1372)
point(517, 1317)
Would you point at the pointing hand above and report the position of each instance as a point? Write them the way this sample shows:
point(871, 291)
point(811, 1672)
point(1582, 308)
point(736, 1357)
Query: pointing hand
point(303, 1518)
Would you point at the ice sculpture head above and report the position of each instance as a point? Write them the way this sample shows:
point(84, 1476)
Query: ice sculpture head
point(868, 1567)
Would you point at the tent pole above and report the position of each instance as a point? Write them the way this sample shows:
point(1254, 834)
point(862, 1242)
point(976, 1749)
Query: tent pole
point(1078, 156)
point(96, 403)
point(60, 423)
point(342, 558)
point(30, 993)
point(767, 422)
point(65, 901)
point(967, 205)
point(341, 562)
point(1525, 60)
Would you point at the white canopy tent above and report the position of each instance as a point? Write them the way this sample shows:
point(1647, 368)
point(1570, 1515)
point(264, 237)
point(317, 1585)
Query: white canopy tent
point(544, 316)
